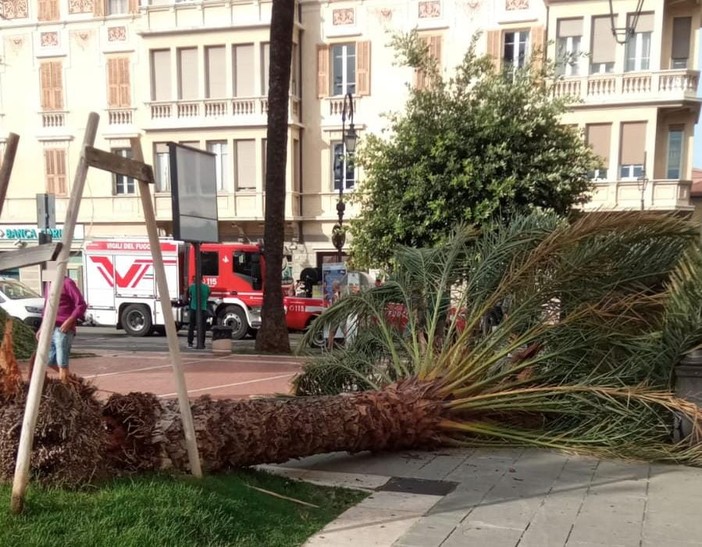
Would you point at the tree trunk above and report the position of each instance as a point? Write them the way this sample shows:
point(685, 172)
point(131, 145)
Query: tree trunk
point(242, 433)
point(273, 335)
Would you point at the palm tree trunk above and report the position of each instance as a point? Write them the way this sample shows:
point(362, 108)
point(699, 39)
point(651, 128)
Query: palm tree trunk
point(273, 335)
point(242, 433)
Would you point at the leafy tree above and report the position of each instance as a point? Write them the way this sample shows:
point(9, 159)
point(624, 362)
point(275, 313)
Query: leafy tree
point(480, 145)
point(273, 335)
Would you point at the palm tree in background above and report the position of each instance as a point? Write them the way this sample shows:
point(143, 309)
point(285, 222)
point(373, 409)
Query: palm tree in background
point(273, 334)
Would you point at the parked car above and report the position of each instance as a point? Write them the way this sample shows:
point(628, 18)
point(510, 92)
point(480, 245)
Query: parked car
point(21, 302)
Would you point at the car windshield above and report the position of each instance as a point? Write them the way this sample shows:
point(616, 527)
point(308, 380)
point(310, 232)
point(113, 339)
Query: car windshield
point(14, 290)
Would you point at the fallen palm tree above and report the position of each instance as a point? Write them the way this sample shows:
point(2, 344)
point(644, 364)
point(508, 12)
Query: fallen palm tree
point(595, 315)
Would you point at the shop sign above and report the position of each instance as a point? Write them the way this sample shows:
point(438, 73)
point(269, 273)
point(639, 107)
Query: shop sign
point(28, 232)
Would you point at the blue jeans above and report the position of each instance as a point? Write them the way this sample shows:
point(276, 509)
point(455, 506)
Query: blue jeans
point(60, 348)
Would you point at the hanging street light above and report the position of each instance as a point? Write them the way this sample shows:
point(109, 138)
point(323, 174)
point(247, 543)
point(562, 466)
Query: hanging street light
point(623, 34)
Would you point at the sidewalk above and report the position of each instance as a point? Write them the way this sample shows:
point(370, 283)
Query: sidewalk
point(507, 498)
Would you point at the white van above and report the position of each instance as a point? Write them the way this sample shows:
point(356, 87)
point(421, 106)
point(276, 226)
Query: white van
point(21, 302)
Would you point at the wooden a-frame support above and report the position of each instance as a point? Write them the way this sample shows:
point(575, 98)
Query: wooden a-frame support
point(135, 168)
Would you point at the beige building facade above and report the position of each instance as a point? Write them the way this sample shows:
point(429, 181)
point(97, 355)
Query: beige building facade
point(195, 72)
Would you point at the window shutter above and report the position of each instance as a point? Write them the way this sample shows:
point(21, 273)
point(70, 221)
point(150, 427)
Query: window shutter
point(538, 40)
point(632, 143)
point(49, 170)
point(55, 171)
point(112, 83)
point(125, 95)
point(433, 43)
point(48, 10)
point(322, 70)
point(45, 83)
point(682, 27)
point(494, 45)
point(61, 171)
point(599, 136)
point(57, 85)
point(363, 61)
point(133, 6)
point(99, 8)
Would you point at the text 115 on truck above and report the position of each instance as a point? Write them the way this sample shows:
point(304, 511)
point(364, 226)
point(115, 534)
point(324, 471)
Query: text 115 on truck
point(120, 286)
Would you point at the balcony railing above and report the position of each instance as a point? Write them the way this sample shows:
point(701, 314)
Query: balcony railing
point(238, 109)
point(658, 194)
point(629, 86)
point(120, 116)
point(51, 120)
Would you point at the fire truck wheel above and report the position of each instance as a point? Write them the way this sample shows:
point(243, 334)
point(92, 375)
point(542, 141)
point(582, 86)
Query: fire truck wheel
point(136, 320)
point(234, 318)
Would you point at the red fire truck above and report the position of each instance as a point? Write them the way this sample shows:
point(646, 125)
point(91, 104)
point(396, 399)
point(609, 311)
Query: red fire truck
point(120, 286)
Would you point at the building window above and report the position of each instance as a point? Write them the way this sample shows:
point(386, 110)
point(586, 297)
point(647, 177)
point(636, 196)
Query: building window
point(245, 159)
point(343, 69)
point(638, 46)
point(632, 150)
point(219, 149)
point(599, 137)
point(161, 75)
point(188, 79)
point(675, 148)
point(294, 72)
point(568, 46)
point(118, 85)
point(115, 7)
point(682, 29)
point(48, 10)
point(515, 51)
point(296, 163)
point(215, 75)
point(55, 170)
point(123, 185)
point(604, 46)
point(433, 44)
point(244, 78)
point(342, 167)
point(51, 82)
point(162, 166)
point(265, 67)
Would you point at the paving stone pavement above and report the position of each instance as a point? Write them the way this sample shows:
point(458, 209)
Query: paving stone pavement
point(507, 498)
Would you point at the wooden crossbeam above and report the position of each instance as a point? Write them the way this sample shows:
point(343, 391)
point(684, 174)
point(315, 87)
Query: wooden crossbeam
point(119, 165)
point(29, 256)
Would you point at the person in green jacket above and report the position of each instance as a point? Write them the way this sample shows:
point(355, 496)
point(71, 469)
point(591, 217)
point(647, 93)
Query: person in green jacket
point(192, 299)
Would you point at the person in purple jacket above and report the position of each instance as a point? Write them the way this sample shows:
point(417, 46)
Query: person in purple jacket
point(71, 308)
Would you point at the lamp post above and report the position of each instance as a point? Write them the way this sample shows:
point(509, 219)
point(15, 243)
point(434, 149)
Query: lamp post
point(348, 148)
point(642, 182)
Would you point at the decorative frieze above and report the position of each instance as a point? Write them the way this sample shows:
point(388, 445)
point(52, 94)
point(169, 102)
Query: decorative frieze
point(512, 5)
point(429, 9)
point(80, 6)
point(345, 16)
point(14, 9)
point(49, 39)
point(117, 34)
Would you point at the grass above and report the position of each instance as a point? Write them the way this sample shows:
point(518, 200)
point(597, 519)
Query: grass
point(175, 511)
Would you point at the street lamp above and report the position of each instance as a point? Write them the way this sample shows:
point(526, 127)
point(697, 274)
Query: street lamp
point(623, 34)
point(349, 139)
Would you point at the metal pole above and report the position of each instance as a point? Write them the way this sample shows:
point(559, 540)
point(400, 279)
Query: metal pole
point(198, 298)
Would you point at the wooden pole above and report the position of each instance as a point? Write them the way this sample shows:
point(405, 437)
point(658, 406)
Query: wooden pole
point(8, 161)
point(31, 411)
point(167, 309)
